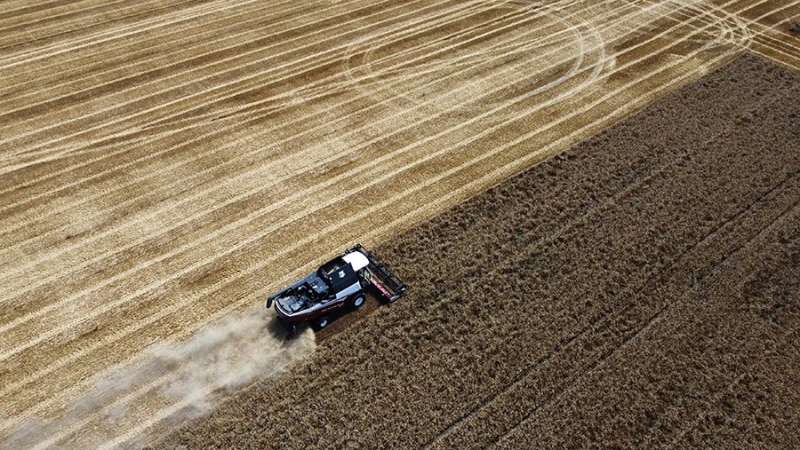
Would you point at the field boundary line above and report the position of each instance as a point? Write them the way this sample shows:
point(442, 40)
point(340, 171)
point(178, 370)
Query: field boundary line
point(244, 174)
point(514, 166)
point(242, 244)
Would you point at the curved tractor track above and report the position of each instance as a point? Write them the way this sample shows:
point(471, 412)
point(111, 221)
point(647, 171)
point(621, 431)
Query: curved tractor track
point(165, 165)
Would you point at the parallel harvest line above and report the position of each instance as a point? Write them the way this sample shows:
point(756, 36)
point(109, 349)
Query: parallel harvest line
point(770, 52)
point(517, 163)
point(73, 205)
point(186, 99)
point(118, 33)
point(482, 182)
point(260, 213)
point(188, 219)
point(21, 8)
point(60, 29)
point(778, 45)
point(228, 63)
point(766, 51)
point(192, 33)
point(171, 37)
point(106, 156)
point(293, 93)
point(285, 95)
point(289, 72)
point(274, 145)
point(183, 181)
point(19, 5)
point(762, 31)
point(56, 85)
point(151, 155)
point(66, 9)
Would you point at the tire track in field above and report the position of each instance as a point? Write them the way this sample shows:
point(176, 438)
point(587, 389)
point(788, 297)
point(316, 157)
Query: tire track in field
point(778, 46)
point(11, 22)
point(769, 52)
point(62, 30)
point(156, 37)
point(192, 34)
point(22, 7)
point(86, 125)
point(169, 168)
point(275, 145)
point(285, 201)
point(763, 31)
point(315, 64)
point(235, 181)
point(371, 80)
point(54, 50)
point(517, 161)
point(149, 156)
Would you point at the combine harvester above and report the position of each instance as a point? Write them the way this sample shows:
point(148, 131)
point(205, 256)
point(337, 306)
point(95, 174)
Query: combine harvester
point(341, 283)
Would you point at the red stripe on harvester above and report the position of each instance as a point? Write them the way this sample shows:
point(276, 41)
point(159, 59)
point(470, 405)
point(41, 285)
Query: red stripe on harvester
point(381, 288)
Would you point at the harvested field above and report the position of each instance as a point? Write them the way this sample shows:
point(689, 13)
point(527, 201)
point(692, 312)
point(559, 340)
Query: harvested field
point(165, 165)
point(640, 289)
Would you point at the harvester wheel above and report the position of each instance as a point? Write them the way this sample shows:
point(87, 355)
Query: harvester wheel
point(358, 301)
point(322, 322)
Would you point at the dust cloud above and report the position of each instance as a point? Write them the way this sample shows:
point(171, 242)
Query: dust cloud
point(132, 405)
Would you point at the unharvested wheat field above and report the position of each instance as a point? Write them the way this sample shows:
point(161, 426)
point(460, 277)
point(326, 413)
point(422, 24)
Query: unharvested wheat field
point(164, 166)
point(641, 289)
